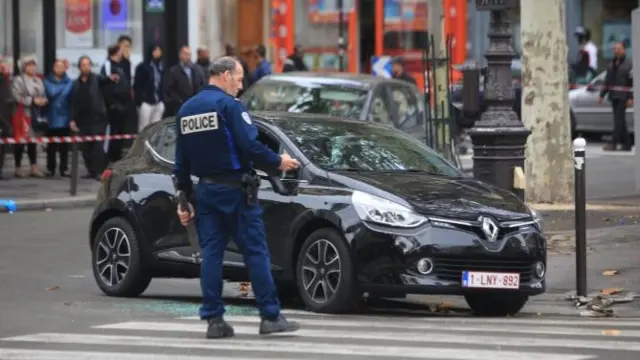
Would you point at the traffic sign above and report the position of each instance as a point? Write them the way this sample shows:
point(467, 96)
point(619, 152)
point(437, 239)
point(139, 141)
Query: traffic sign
point(381, 66)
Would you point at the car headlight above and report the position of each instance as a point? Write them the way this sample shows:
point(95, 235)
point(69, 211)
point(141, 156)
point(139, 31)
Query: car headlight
point(536, 218)
point(375, 209)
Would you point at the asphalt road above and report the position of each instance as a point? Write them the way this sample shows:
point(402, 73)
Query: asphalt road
point(50, 309)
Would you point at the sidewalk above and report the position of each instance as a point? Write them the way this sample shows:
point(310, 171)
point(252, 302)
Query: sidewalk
point(46, 193)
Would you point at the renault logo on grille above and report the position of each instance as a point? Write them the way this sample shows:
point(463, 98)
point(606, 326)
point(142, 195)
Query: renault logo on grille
point(489, 228)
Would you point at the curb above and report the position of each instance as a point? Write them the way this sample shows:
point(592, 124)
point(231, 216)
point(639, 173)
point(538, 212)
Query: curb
point(81, 201)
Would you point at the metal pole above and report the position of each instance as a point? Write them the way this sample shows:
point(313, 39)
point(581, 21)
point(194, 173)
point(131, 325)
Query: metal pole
point(73, 187)
point(579, 145)
point(341, 39)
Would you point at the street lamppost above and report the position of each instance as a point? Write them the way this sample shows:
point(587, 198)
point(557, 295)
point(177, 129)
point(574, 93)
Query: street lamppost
point(342, 44)
point(499, 137)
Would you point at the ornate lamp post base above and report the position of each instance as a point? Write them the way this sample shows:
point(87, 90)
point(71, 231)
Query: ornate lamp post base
point(499, 137)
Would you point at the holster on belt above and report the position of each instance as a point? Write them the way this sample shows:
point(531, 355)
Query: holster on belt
point(251, 186)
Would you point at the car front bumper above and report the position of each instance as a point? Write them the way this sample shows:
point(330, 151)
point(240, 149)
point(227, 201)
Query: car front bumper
point(386, 260)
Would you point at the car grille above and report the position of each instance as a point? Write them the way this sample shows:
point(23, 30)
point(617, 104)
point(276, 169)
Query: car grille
point(450, 268)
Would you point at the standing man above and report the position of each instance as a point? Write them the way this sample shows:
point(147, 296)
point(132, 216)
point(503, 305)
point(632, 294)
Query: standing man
point(147, 87)
point(398, 71)
point(619, 74)
point(119, 101)
point(264, 67)
point(125, 43)
point(203, 59)
point(88, 114)
point(214, 122)
point(230, 50)
point(295, 61)
point(182, 81)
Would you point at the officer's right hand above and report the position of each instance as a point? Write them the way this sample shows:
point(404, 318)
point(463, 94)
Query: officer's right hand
point(185, 216)
point(288, 163)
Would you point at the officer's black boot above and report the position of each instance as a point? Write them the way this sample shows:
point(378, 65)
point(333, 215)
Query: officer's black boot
point(218, 328)
point(277, 325)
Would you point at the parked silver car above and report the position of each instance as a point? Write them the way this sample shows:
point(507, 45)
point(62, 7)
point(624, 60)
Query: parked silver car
point(590, 116)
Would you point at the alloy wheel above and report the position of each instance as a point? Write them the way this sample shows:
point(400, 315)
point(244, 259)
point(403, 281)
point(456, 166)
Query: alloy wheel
point(113, 256)
point(321, 271)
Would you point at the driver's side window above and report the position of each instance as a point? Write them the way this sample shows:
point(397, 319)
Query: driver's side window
point(276, 146)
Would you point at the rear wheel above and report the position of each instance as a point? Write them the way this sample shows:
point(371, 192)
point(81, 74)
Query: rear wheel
point(496, 304)
point(116, 260)
point(324, 273)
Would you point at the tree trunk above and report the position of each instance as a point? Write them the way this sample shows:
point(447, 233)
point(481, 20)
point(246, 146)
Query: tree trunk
point(545, 102)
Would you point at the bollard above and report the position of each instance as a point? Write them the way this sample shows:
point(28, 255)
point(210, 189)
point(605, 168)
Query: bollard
point(579, 145)
point(73, 188)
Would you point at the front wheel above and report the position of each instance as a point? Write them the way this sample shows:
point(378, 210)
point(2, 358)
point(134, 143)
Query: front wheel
point(117, 262)
point(324, 273)
point(496, 304)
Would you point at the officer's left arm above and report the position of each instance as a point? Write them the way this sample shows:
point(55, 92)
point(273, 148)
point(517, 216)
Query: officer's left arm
point(181, 167)
point(245, 134)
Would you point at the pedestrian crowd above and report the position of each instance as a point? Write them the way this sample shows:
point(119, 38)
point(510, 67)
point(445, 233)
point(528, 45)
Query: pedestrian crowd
point(114, 100)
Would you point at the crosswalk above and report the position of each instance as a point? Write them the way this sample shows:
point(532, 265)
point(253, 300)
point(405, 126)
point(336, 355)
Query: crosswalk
point(340, 337)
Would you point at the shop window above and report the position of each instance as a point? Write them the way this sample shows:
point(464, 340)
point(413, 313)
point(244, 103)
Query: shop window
point(6, 29)
point(88, 27)
point(31, 32)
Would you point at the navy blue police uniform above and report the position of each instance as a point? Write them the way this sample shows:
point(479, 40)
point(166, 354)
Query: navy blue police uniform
point(217, 142)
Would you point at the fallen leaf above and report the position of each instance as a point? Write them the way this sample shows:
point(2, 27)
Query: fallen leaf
point(611, 332)
point(445, 306)
point(53, 288)
point(610, 272)
point(610, 291)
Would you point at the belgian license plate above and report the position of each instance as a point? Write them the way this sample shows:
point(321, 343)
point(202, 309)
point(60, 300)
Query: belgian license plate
point(489, 280)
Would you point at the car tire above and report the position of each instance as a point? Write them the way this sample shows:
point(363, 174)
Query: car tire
point(337, 274)
point(117, 237)
point(495, 305)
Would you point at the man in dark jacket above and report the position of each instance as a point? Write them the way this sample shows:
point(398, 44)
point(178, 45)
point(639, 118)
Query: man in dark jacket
point(118, 99)
point(295, 61)
point(230, 50)
point(181, 82)
point(7, 106)
point(147, 87)
point(88, 114)
point(398, 71)
point(203, 59)
point(619, 74)
point(125, 43)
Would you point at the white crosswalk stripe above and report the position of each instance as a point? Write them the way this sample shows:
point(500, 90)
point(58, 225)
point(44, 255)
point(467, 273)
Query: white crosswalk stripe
point(337, 337)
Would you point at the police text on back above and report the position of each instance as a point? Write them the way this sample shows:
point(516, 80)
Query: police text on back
point(198, 123)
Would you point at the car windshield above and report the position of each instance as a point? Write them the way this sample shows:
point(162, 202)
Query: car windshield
point(306, 97)
point(352, 146)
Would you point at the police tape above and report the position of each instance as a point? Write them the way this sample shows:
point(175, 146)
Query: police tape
point(65, 139)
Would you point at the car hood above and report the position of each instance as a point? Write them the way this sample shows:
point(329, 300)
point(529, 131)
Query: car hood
point(458, 198)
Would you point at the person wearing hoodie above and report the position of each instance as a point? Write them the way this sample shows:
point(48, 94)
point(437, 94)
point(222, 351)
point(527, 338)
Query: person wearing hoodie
point(147, 87)
point(58, 86)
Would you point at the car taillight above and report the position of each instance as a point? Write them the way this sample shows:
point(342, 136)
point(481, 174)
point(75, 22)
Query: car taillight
point(106, 174)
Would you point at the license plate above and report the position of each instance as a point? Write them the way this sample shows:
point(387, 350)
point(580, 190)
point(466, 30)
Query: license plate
point(488, 280)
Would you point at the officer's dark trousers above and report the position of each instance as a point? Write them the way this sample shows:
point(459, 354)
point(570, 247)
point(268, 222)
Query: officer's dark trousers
point(221, 212)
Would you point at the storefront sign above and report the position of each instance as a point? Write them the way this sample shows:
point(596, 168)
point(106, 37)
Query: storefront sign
point(154, 6)
point(78, 24)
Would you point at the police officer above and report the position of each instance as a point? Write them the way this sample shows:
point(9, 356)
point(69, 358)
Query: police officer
point(217, 143)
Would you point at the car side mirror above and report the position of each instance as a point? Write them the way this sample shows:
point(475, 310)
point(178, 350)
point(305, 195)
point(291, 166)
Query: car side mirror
point(284, 187)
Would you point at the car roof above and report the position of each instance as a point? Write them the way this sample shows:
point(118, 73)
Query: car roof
point(347, 79)
point(277, 118)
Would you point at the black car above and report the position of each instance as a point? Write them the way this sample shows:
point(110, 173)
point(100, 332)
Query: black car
point(371, 210)
point(355, 96)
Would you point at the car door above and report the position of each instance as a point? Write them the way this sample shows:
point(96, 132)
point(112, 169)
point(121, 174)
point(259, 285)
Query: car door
point(277, 209)
point(591, 116)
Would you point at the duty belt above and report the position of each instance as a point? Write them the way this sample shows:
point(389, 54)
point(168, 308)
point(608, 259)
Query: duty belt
point(222, 180)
